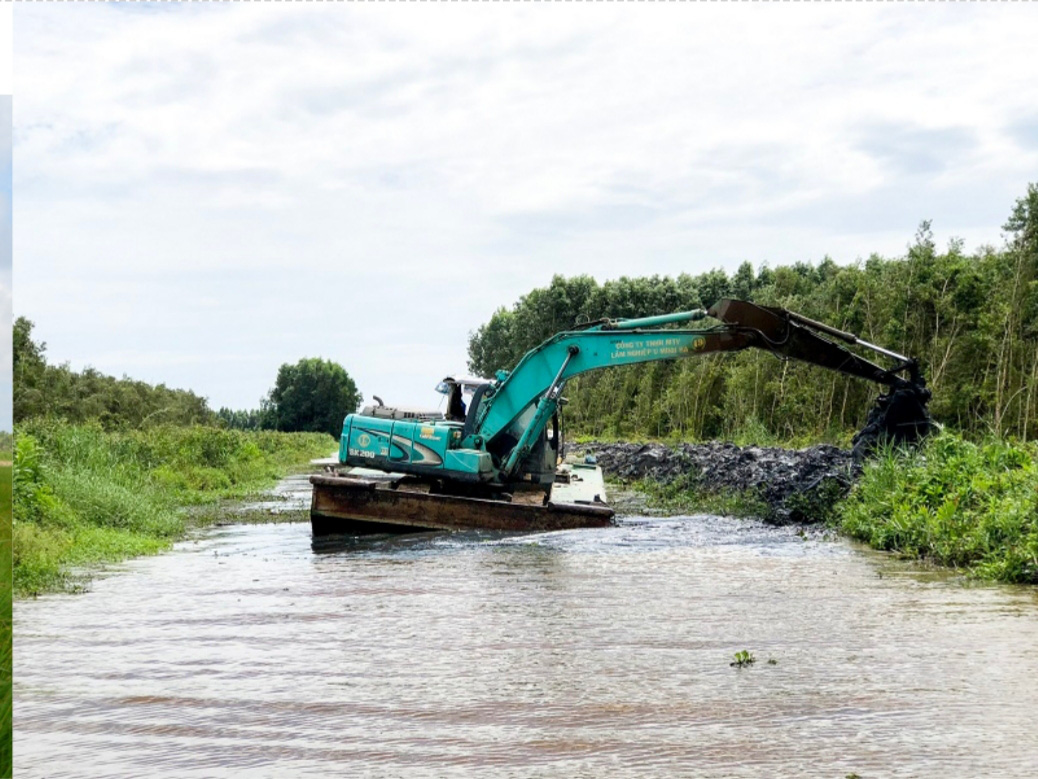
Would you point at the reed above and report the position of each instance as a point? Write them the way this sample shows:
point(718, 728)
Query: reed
point(84, 496)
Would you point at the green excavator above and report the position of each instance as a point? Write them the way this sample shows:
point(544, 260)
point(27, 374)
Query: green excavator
point(498, 465)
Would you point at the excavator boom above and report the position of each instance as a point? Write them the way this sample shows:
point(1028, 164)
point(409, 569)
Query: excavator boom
point(503, 439)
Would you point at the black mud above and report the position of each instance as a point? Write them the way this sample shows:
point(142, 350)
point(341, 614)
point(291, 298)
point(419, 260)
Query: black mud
point(798, 486)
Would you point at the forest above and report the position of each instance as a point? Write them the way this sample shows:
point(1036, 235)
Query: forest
point(971, 318)
point(312, 395)
point(42, 389)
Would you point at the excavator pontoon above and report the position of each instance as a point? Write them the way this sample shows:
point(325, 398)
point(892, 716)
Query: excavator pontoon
point(498, 467)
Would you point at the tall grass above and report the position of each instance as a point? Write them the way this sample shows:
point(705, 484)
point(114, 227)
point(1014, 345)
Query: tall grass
point(956, 503)
point(83, 496)
point(5, 621)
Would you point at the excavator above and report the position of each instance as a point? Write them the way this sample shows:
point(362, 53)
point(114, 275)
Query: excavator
point(499, 467)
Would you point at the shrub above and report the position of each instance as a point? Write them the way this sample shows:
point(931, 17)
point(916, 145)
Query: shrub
point(955, 502)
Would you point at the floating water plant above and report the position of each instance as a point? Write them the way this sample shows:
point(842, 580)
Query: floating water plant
point(743, 659)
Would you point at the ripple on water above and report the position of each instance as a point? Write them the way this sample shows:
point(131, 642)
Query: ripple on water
point(578, 653)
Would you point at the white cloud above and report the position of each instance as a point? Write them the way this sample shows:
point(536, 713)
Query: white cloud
point(5, 358)
point(6, 40)
point(373, 180)
point(6, 318)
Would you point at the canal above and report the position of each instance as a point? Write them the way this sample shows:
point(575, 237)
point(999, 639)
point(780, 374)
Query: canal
point(588, 653)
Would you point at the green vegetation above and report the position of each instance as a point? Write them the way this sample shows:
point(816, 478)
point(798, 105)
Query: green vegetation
point(41, 389)
point(687, 493)
point(970, 318)
point(743, 659)
point(84, 495)
point(954, 502)
point(5, 621)
point(105, 468)
point(312, 396)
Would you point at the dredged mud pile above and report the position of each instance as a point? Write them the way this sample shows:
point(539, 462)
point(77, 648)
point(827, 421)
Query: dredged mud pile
point(797, 486)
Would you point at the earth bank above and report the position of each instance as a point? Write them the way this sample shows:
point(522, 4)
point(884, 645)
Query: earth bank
point(790, 485)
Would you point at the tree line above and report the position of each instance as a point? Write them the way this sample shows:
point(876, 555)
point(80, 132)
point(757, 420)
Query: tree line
point(970, 318)
point(42, 390)
point(312, 395)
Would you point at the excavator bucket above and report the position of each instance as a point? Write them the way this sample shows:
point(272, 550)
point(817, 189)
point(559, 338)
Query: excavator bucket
point(899, 416)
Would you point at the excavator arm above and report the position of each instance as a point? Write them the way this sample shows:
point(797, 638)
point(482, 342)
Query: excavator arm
point(511, 416)
point(507, 418)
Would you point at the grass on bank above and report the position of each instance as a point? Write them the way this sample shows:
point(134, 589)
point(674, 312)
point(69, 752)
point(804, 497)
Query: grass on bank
point(83, 496)
point(5, 621)
point(956, 503)
point(688, 494)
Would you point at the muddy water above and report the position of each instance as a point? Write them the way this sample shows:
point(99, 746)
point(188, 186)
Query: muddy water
point(574, 654)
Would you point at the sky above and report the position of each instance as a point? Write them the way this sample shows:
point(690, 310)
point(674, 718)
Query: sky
point(6, 63)
point(206, 191)
point(5, 262)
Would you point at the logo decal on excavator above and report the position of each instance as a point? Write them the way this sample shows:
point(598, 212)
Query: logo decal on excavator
point(417, 453)
point(662, 348)
point(364, 440)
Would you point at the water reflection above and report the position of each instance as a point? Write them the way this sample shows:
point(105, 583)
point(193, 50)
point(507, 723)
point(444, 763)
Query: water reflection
point(583, 653)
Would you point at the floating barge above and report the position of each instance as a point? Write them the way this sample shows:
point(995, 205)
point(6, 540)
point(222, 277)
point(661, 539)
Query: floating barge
point(350, 504)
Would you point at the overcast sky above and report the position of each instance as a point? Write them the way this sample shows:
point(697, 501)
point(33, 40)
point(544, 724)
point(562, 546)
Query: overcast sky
point(5, 261)
point(204, 191)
